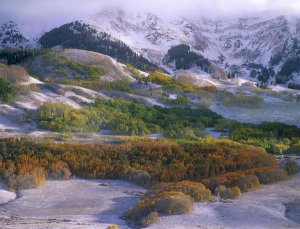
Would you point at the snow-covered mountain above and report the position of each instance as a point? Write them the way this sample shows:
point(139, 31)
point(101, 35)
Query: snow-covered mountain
point(232, 43)
point(226, 41)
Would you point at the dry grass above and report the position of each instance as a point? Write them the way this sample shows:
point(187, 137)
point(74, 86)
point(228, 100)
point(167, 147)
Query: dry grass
point(139, 177)
point(227, 193)
point(14, 74)
point(114, 226)
point(248, 183)
point(197, 191)
point(272, 176)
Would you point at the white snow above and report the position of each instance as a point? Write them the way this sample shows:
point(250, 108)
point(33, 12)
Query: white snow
point(200, 79)
point(98, 203)
point(35, 99)
point(86, 91)
point(85, 203)
point(32, 80)
point(6, 196)
point(261, 209)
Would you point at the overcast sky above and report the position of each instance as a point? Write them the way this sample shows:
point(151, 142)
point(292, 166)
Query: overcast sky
point(80, 8)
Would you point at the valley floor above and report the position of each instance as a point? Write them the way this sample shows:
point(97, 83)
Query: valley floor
point(71, 204)
point(98, 203)
point(262, 209)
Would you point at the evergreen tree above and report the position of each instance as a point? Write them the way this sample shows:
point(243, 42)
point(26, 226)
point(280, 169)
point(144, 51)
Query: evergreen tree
point(81, 36)
point(185, 58)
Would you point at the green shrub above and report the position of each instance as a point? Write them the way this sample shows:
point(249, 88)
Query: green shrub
point(272, 176)
point(227, 193)
point(57, 66)
point(239, 99)
point(277, 149)
point(294, 149)
point(8, 92)
point(291, 167)
point(179, 85)
point(126, 118)
point(180, 101)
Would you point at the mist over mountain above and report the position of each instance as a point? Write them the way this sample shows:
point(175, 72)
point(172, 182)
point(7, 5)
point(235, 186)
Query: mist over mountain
point(71, 9)
point(256, 40)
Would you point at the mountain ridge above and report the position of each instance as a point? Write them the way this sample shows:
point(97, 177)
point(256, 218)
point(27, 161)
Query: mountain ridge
point(232, 44)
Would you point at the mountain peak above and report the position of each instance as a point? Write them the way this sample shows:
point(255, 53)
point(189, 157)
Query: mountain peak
point(226, 41)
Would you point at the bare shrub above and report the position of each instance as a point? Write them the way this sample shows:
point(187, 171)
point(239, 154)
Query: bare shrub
point(30, 180)
point(10, 180)
point(291, 167)
point(59, 174)
point(174, 205)
point(25, 89)
point(227, 193)
point(248, 183)
point(214, 182)
point(28, 173)
point(26, 182)
point(59, 171)
point(14, 74)
point(158, 202)
point(272, 176)
point(139, 177)
point(149, 219)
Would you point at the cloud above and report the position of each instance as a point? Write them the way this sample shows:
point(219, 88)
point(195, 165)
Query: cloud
point(77, 9)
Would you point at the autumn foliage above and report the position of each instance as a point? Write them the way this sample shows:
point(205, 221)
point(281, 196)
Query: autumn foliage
point(180, 173)
point(215, 162)
point(166, 199)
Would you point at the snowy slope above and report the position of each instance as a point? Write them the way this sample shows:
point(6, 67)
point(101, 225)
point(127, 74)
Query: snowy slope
point(239, 40)
point(150, 34)
point(228, 41)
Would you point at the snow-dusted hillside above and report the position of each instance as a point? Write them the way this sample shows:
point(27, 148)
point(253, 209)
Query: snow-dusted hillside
point(234, 41)
point(231, 42)
point(152, 35)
